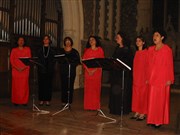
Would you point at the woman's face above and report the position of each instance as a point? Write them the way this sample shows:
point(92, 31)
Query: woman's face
point(92, 41)
point(21, 42)
point(157, 38)
point(118, 39)
point(68, 43)
point(139, 42)
point(46, 40)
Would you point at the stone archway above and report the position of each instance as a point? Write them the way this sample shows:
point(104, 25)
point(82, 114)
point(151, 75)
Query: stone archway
point(73, 26)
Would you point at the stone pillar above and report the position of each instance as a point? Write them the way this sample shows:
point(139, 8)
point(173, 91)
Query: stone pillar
point(73, 26)
point(144, 15)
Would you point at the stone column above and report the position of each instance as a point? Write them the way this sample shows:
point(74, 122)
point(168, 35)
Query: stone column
point(73, 26)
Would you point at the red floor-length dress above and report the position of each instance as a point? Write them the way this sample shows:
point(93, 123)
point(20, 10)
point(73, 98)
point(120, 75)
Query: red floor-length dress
point(140, 89)
point(160, 70)
point(20, 80)
point(92, 83)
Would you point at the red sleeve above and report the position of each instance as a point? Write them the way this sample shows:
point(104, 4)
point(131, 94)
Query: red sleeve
point(170, 73)
point(12, 57)
point(146, 64)
point(29, 53)
point(101, 53)
point(85, 57)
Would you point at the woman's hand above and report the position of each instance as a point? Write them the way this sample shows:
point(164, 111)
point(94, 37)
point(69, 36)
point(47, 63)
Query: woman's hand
point(168, 83)
point(92, 71)
point(21, 69)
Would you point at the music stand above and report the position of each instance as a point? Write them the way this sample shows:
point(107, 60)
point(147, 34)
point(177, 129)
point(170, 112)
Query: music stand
point(27, 61)
point(110, 64)
point(106, 64)
point(67, 105)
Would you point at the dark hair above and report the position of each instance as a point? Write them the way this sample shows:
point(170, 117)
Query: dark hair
point(125, 40)
point(50, 42)
point(23, 39)
point(143, 39)
point(161, 32)
point(68, 38)
point(98, 43)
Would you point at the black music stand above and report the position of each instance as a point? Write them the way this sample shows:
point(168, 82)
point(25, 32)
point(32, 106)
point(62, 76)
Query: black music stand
point(67, 105)
point(34, 61)
point(109, 64)
point(106, 64)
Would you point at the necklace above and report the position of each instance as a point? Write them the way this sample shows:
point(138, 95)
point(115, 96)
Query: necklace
point(45, 56)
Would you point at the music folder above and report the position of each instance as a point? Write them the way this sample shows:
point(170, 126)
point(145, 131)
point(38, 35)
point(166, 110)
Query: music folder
point(106, 63)
point(27, 61)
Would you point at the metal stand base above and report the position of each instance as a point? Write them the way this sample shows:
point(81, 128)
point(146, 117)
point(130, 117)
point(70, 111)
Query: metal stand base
point(123, 127)
point(67, 106)
point(100, 113)
point(37, 110)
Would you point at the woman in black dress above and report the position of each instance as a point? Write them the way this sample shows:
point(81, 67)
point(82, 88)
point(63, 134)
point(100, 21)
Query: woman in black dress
point(116, 101)
point(45, 72)
point(69, 63)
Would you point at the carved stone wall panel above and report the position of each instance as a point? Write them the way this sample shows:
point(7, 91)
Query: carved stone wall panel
point(106, 19)
point(101, 19)
point(88, 9)
point(97, 16)
point(128, 21)
point(114, 21)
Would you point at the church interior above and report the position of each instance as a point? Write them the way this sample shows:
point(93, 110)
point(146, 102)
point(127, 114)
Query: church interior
point(78, 19)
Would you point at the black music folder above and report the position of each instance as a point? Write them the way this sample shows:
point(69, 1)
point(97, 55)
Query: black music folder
point(106, 63)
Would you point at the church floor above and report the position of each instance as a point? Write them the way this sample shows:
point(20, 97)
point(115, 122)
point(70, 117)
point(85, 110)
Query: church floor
point(21, 120)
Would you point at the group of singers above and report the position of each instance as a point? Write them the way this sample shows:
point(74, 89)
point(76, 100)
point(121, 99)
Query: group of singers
point(146, 89)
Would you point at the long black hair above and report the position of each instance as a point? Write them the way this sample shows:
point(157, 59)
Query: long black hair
point(125, 39)
point(161, 32)
point(98, 43)
point(143, 39)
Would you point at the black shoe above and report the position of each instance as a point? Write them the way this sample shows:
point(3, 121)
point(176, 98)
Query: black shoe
point(152, 125)
point(157, 126)
point(16, 104)
point(41, 103)
point(134, 117)
point(47, 103)
point(141, 118)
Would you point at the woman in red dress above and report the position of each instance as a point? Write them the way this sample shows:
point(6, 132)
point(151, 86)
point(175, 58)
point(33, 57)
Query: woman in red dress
point(92, 83)
point(20, 73)
point(160, 77)
point(139, 96)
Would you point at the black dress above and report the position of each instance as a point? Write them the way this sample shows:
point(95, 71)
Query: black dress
point(115, 100)
point(45, 73)
point(70, 62)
